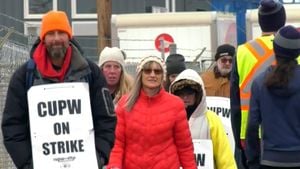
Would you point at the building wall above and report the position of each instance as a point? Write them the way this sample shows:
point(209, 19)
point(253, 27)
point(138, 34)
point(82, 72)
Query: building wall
point(27, 26)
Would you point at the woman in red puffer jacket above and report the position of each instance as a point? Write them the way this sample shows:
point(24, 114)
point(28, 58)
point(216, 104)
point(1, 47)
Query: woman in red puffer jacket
point(152, 129)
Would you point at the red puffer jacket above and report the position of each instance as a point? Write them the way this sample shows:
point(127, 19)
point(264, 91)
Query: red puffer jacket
point(154, 134)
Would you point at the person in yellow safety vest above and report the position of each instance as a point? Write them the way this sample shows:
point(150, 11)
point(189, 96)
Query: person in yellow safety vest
point(252, 58)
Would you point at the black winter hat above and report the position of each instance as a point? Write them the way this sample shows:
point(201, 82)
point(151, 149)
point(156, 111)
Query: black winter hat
point(271, 15)
point(175, 64)
point(225, 50)
point(287, 43)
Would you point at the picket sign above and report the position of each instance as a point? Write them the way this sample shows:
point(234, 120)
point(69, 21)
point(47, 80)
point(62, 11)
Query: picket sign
point(61, 126)
point(204, 154)
point(203, 151)
point(221, 106)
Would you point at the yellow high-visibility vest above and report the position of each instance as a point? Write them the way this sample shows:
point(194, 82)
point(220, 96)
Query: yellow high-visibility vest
point(252, 58)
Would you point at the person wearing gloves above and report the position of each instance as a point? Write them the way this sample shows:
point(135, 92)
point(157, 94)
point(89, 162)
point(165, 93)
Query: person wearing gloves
point(152, 130)
point(203, 123)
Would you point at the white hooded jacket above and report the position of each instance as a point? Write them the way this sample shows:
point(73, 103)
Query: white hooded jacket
point(198, 121)
point(205, 124)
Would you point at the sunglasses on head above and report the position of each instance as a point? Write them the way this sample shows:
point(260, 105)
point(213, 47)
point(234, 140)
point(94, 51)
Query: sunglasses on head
point(225, 60)
point(156, 71)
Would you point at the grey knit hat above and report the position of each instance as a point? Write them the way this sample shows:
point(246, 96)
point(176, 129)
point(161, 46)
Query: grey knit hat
point(287, 43)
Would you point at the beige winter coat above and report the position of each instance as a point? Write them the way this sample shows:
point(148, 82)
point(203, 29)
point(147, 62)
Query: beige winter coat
point(215, 86)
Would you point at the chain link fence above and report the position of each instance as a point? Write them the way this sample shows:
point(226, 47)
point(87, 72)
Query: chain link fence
point(11, 57)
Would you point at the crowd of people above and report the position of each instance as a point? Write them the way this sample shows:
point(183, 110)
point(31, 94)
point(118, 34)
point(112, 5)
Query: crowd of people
point(159, 119)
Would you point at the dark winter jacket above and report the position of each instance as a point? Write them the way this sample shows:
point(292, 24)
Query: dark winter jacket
point(15, 120)
point(276, 110)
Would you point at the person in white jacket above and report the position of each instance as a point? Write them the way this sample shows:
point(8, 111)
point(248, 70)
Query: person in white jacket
point(204, 124)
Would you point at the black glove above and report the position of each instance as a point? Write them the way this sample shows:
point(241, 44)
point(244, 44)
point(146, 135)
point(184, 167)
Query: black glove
point(100, 160)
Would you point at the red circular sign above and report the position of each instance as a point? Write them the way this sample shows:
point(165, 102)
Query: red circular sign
point(165, 40)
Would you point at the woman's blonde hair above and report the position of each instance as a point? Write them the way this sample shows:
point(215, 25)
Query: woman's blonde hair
point(125, 85)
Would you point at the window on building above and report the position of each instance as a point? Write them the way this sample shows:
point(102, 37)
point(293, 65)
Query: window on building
point(36, 8)
point(32, 31)
point(32, 28)
point(291, 1)
point(84, 9)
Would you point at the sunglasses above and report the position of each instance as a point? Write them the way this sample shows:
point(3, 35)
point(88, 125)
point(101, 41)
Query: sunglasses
point(225, 60)
point(156, 71)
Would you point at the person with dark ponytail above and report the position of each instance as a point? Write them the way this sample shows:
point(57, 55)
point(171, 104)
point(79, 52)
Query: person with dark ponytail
point(280, 75)
point(274, 106)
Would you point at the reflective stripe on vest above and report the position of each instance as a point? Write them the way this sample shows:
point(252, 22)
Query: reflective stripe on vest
point(249, 67)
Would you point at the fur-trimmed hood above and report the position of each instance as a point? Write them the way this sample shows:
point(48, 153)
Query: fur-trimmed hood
point(191, 78)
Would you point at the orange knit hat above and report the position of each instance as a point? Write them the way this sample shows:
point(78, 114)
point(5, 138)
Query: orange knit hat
point(55, 20)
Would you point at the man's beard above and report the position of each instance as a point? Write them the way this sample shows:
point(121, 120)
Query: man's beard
point(224, 71)
point(56, 53)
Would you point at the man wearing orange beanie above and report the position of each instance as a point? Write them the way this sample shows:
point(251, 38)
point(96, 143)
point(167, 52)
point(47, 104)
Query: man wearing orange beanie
point(57, 58)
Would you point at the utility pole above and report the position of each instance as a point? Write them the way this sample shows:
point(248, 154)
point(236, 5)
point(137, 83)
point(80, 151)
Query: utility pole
point(104, 9)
